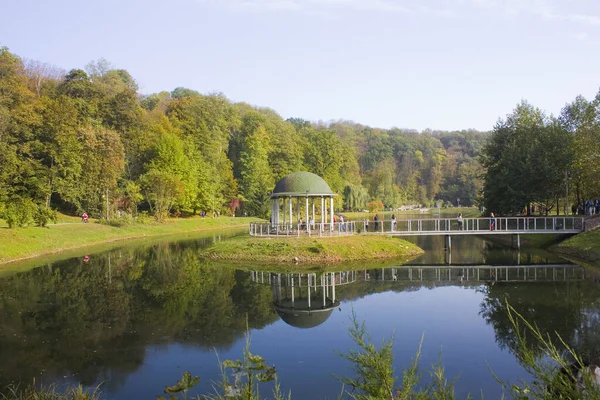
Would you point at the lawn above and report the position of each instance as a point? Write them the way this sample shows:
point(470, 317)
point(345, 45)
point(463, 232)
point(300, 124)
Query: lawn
point(21, 243)
point(311, 250)
point(585, 246)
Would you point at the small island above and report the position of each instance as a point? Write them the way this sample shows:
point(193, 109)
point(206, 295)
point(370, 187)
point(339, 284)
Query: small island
point(313, 250)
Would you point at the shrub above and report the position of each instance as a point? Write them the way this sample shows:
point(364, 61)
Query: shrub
point(19, 212)
point(43, 215)
point(375, 206)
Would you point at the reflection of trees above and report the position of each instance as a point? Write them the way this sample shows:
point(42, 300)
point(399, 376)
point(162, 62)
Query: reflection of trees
point(95, 319)
point(569, 309)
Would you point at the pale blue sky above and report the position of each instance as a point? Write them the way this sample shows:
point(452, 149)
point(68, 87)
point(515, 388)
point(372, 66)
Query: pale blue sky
point(452, 64)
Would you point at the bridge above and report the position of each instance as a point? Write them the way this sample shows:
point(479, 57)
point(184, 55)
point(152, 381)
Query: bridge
point(448, 227)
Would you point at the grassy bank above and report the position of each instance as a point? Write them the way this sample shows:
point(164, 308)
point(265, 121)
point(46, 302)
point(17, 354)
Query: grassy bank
point(22, 243)
point(585, 246)
point(311, 250)
point(538, 241)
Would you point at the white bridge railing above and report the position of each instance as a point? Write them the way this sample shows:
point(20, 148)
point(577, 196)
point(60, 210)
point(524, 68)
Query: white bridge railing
point(498, 225)
point(427, 226)
point(298, 230)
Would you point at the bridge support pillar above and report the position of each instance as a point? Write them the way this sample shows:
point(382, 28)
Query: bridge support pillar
point(448, 242)
point(518, 241)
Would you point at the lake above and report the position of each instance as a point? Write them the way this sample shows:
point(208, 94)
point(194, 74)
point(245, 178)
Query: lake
point(136, 317)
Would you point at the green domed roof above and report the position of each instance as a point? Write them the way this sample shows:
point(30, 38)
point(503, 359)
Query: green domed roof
point(301, 183)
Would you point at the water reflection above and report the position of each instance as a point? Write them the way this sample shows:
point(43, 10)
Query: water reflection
point(134, 318)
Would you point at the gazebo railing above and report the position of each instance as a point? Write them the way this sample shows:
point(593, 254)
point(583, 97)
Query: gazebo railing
point(304, 229)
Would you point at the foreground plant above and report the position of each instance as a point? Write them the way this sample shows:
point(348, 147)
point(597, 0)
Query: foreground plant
point(559, 373)
point(50, 392)
point(375, 376)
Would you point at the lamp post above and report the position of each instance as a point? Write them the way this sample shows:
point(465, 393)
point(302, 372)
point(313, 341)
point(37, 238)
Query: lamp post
point(457, 202)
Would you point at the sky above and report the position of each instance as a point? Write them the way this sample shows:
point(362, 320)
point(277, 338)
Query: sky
point(417, 64)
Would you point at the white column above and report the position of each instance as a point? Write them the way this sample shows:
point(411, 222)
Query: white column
point(308, 290)
point(292, 291)
point(284, 213)
point(323, 210)
point(291, 212)
point(333, 287)
point(313, 211)
point(331, 216)
point(307, 226)
point(323, 289)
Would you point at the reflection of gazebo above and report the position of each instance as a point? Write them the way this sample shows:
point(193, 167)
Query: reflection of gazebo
point(304, 300)
point(299, 188)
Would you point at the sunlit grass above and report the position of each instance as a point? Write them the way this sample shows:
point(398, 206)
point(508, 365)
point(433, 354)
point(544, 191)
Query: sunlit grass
point(21, 243)
point(311, 250)
point(585, 246)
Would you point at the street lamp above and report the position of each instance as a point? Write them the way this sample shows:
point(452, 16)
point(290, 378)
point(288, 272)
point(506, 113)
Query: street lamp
point(457, 202)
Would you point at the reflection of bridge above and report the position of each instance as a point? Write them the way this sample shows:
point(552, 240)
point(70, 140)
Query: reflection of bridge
point(478, 273)
point(430, 226)
point(306, 300)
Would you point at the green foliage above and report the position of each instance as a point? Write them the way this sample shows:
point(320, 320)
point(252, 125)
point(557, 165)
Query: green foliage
point(19, 212)
point(44, 215)
point(558, 372)
point(162, 191)
point(89, 141)
point(186, 383)
point(372, 366)
point(355, 198)
point(375, 376)
point(525, 159)
point(50, 392)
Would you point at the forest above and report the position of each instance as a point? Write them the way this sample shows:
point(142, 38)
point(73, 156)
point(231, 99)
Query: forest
point(88, 140)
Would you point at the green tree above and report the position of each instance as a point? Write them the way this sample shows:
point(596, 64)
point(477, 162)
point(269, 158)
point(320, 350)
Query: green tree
point(256, 176)
point(525, 160)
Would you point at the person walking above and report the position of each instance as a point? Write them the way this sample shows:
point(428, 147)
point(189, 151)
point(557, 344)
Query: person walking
point(460, 222)
point(492, 222)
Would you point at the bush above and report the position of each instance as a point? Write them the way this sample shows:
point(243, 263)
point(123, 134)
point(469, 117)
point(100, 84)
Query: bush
point(375, 206)
point(19, 212)
point(43, 215)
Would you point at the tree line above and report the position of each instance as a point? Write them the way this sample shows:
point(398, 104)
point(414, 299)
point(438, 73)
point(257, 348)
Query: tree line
point(88, 140)
point(549, 163)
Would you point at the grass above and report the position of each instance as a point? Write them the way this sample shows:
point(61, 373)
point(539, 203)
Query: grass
point(584, 246)
point(23, 243)
point(311, 250)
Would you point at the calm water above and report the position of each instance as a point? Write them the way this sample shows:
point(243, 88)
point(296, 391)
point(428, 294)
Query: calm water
point(135, 318)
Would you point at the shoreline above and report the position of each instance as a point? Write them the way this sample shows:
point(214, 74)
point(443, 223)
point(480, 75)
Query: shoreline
point(584, 246)
point(311, 251)
point(23, 244)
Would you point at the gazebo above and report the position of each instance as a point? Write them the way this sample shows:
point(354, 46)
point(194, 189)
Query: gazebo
point(301, 188)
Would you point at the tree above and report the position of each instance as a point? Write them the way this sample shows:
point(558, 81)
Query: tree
point(161, 189)
point(525, 160)
point(256, 177)
point(582, 119)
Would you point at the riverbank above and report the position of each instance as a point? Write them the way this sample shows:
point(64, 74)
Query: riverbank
point(311, 250)
point(24, 243)
point(585, 246)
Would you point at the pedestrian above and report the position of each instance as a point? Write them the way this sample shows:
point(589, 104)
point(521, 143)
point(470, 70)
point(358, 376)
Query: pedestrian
point(393, 222)
point(84, 218)
point(460, 222)
point(376, 219)
point(492, 222)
